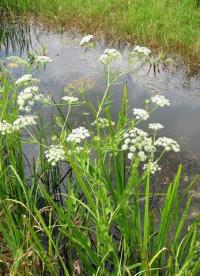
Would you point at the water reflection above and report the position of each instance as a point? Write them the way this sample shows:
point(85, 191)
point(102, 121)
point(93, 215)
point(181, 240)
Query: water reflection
point(16, 37)
point(70, 62)
point(181, 119)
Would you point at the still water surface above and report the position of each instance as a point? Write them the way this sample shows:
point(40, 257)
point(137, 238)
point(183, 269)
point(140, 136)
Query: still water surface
point(70, 63)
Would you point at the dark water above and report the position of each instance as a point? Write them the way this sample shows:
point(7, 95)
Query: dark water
point(70, 63)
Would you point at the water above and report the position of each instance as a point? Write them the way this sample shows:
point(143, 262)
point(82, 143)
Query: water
point(70, 63)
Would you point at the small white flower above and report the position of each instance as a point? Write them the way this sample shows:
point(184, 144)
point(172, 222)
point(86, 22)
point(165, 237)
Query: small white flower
point(70, 99)
point(27, 98)
point(109, 55)
point(168, 144)
point(18, 124)
point(126, 135)
point(102, 122)
point(54, 154)
point(142, 50)
point(140, 114)
point(125, 147)
point(142, 156)
point(78, 134)
point(25, 78)
point(130, 155)
point(31, 89)
point(138, 144)
point(152, 166)
point(23, 121)
point(43, 59)
point(27, 108)
point(40, 97)
point(86, 39)
point(5, 127)
point(132, 148)
point(137, 132)
point(160, 100)
point(127, 141)
point(156, 126)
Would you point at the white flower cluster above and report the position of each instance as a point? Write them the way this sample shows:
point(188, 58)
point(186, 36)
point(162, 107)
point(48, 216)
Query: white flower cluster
point(160, 100)
point(78, 134)
point(102, 122)
point(23, 121)
point(152, 166)
point(156, 126)
point(25, 78)
point(41, 98)
point(70, 99)
point(19, 123)
point(109, 55)
point(54, 154)
point(17, 60)
point(86, 39)
point(140, 114)
point(5, 127)
point(26, 99)
point(43, 59)
point(142, 50)
point(168, 144)
point(138, 144)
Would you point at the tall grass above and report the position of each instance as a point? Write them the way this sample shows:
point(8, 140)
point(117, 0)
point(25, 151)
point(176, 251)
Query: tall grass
point(166, 24)
point(90, 212)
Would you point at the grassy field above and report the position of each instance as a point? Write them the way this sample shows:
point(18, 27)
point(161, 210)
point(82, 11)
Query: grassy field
point(170, 25)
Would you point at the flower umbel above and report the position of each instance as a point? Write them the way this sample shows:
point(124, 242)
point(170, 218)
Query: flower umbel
point(25, 78)
point(160, 100)
point(168, 144)
point(142, 50)
point(140, 114)
point(156, 126)
point(78, 134)
point(23, 121)
point(26, 99)
point(102, 122)
point(86, 40)
point(109, 55)
point(70, 99)
point(54, 154)
point(152, 167)
point(138, 144)
point(5, 127)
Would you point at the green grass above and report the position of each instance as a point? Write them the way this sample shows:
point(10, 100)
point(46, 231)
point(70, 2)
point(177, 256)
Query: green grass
point(171, 25)
point(93, 213)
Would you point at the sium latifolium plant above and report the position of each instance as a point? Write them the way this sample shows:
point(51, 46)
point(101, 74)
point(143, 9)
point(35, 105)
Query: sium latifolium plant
point(85, 209)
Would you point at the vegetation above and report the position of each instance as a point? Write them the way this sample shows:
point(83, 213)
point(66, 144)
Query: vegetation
point(85, 206)
point(172, 26)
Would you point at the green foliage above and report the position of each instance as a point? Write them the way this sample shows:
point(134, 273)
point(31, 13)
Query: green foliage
point(96, 219)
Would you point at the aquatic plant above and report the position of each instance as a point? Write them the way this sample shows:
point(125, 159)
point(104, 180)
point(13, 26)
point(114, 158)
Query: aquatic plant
point(85, 208)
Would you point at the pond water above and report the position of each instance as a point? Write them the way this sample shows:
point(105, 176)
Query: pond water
point(70, 63)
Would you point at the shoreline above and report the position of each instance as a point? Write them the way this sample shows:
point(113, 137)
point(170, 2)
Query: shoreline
point(170, 35)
